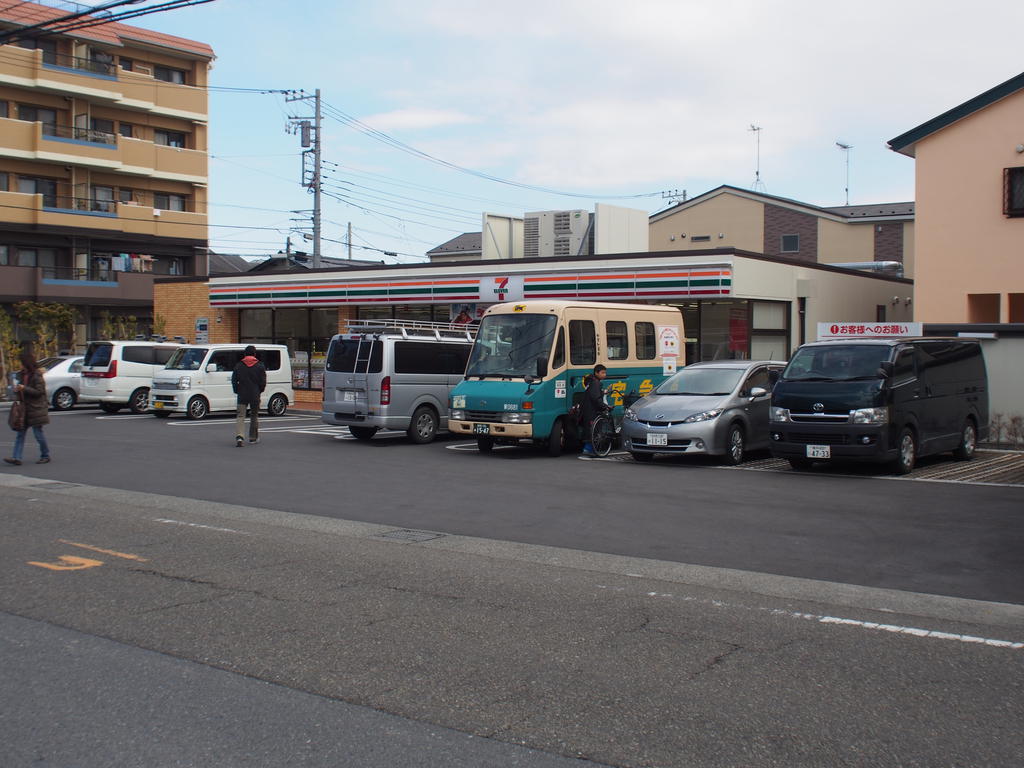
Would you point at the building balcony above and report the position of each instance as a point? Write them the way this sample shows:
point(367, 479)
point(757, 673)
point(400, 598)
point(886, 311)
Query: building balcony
point(74, 286)
point(68, 145)
point(39, 210)
point(95, 81)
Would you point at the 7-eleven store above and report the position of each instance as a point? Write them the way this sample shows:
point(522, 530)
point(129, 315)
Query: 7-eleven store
point(735, 305)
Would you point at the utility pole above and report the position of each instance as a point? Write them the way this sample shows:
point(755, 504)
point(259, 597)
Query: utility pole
point(311, 178)
point(758, 184)
point(846, 149)
point(349, 241)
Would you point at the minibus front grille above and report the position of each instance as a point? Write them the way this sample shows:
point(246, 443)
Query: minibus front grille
point(821, 418)
point(492, 416)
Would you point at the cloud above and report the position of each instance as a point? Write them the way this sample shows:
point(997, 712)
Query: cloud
point(415, 119)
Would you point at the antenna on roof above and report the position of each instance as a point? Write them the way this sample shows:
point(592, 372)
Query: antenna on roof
point(846, 149)
point(758, 185)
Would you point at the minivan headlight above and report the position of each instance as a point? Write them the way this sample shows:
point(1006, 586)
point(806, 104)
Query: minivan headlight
point(714, 413)
point(184, 382)
point(779, 414)
point(517, 417)
point(459, 415)
point(870, 416)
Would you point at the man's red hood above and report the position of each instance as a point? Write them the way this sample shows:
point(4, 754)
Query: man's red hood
point(250, 360)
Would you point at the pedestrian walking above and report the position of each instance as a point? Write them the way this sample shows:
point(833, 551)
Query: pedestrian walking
point(31, 391)
point(248, 380)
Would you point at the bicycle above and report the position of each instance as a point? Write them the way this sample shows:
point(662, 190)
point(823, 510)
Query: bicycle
point(603, 433)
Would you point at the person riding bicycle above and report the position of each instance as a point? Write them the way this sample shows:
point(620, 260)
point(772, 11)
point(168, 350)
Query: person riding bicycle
point(593, 405)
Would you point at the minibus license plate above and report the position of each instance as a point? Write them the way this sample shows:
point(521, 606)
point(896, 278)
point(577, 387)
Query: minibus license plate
point(481, 429)
point(653, 439)
point(819, 452)
point(349, 396)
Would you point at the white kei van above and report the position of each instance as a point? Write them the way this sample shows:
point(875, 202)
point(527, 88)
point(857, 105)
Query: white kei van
point(197, 380)
point(118, 374)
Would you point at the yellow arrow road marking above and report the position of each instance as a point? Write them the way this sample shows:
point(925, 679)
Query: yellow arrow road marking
point(70, 563)
point(124, 555)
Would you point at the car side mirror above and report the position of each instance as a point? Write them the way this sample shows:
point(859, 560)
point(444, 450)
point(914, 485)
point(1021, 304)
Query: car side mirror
point(542, 367)
point(757, 392)
point(211, 368)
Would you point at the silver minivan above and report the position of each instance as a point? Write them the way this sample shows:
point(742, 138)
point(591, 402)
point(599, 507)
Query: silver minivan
point(715, 408)
point(394, 375)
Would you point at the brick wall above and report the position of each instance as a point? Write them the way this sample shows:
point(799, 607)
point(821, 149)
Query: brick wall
point(782, 221)
point(889, 241)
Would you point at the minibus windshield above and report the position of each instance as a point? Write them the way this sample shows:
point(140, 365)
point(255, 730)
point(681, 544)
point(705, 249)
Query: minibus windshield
point(510, 345)
point(187, 359)
point(701, 381)
point(843, 362)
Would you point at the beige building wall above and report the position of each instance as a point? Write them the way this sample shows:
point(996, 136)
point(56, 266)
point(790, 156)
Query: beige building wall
point(839, 242)
point(909, 240)
point(964, 245)
point(740, 220)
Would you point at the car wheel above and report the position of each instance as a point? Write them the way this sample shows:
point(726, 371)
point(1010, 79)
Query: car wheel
point(139, 401)
point(968, 442)
point(198, 408)
point(110, 407)
point(554, 445)
point(362, 433)
point(906, 452)
point(485, 444)
point(642, 457)
point(277, 405)
point(423, 428)
point(800, 465)
point(162, 414)
point(735, 445)
point(64, 399)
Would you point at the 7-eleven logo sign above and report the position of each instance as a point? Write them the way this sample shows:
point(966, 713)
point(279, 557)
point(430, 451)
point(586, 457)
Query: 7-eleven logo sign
point(503, 288)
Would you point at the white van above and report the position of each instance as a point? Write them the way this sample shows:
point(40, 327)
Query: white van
point(197, 380)
point(118, 374)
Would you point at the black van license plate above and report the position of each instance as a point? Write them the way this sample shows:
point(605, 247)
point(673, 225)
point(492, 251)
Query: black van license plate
point(481, 429)
point(819, 452)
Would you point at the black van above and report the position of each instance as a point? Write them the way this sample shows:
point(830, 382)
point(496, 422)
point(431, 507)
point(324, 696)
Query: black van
point(881, 400)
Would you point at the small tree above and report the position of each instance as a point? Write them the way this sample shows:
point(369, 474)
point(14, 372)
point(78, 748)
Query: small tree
point(159, 325)
point(10, 348)
point(118, 327)
point(46, 322)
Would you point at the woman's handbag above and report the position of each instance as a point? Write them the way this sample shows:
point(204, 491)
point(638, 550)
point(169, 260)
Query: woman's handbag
point(16, 416)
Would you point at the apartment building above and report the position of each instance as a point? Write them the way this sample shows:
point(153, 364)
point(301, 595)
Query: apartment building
point(103, 164)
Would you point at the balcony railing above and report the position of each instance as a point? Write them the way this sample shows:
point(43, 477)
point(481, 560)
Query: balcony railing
point(74, 273)
point(83, 65)
point(80, 204)
point(79, 134)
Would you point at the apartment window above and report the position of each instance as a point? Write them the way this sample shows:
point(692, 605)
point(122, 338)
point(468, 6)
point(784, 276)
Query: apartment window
point(3, 182)
point(126, 129)
point(101, 62)
point(1013, 192)
point(3, 255)
point(3, 109)
point(169, 202)
point(48, 117)
point(48, 47)
point(102, 199)
point(125, 195)
point(790, 244)
point(169, 75)
point(31, 185)
point(127, 64)
point(169, 138)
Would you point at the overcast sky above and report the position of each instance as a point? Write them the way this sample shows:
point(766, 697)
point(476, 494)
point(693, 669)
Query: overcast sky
point(605, 100)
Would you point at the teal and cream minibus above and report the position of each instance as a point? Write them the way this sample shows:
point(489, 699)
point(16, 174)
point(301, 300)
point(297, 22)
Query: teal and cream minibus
point(530, 358)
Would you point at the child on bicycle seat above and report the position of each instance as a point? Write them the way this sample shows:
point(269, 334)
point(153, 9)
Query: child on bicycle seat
point(593, 404)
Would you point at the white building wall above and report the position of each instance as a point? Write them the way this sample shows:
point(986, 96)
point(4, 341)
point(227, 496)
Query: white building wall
point(620, 230)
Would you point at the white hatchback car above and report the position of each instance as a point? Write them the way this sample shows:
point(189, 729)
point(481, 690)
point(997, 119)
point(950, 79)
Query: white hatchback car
point(63, 376)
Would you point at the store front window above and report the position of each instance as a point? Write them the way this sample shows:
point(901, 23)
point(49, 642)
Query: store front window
point(306, 333)
point(736, 329)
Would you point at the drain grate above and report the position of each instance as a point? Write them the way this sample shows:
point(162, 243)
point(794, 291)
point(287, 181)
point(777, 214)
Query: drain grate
point(408, 535)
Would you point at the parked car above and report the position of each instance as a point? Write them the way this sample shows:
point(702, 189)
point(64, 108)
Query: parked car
point(197, 380)
point(118, 374)
point(63, 376)
point(880, 400)
point(394, 374)
point(716, 408)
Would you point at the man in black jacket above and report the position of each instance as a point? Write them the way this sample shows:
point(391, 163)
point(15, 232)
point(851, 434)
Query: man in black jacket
point(593, 406)
point(248, 380)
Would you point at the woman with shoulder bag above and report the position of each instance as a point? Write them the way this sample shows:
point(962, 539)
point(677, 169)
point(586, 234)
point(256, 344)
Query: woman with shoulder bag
point(31, 390)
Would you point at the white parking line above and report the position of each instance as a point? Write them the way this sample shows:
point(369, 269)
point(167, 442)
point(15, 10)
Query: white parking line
point(229, 419)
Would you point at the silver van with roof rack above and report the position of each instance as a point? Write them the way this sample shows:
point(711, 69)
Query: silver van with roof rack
point(395, 375)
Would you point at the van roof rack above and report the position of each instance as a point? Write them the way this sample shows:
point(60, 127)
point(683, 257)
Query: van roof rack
point(408, 328)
